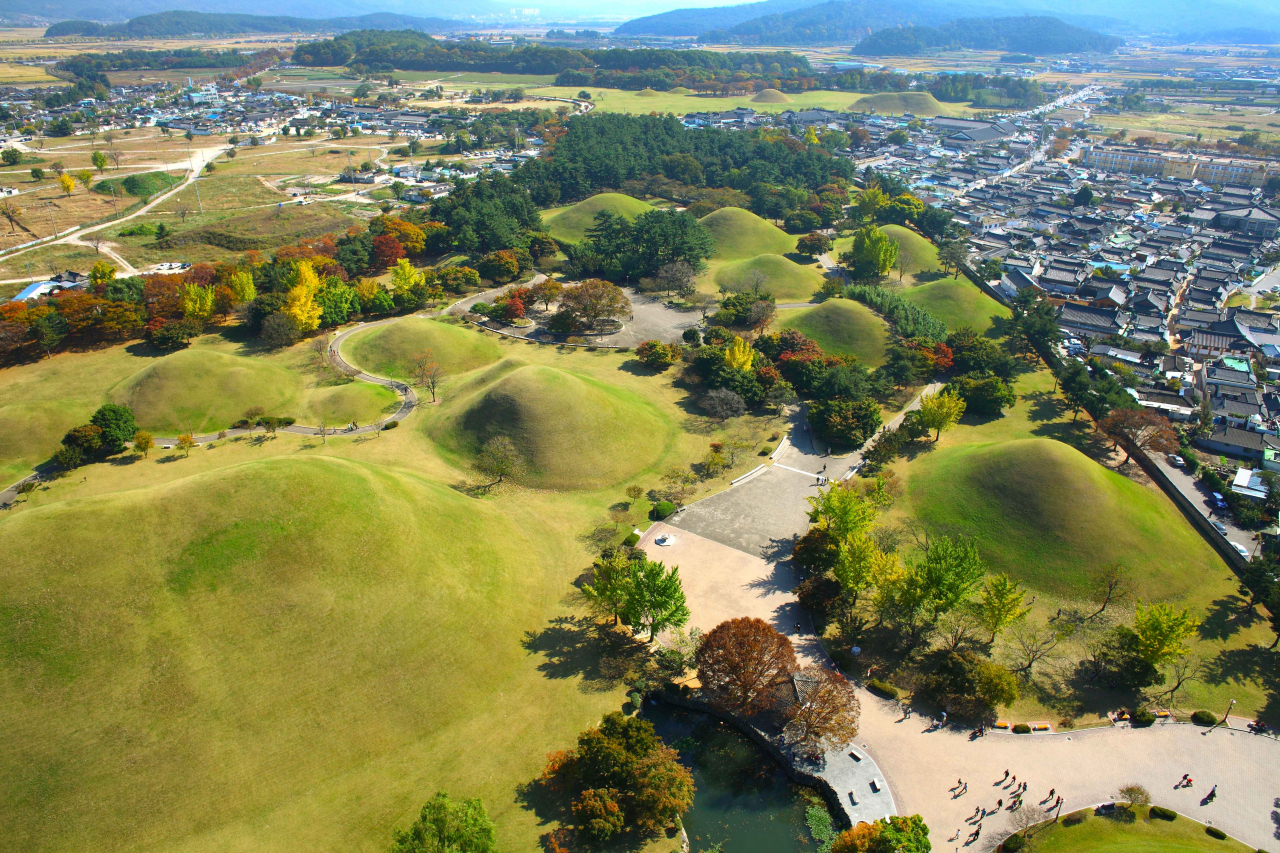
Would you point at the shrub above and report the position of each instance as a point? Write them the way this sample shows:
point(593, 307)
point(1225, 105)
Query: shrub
point(766, 450)
point(1022, 729)
point(662, 509)
point(1204, 718)
point(880, 688)
point(1141, 718)
point(692, 337)
point(1013, 843)
point(391, 425)
point(1163, 813)
point(632, 539)
point(1214, 832)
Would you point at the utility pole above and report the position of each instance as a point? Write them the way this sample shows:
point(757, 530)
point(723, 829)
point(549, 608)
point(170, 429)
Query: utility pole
point(114, 203)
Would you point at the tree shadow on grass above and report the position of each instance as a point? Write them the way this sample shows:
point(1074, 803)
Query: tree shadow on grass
point(1045, 406)
point(1227, 615)
point(580, 647)
point(1077, 434)
point(1251, 663)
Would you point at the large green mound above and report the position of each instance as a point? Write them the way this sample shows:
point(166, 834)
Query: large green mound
point(896, 103)
point(198, 665)
point(390, 350)
point(741, 234)
point(573, 432)
point(646, 93)
point(199, 390)
point(842, 327)
point(784, 278)
point(957, 303)
point(1046, 514)
point(680, 90)
point(571, 224)
point(920, 254)
point(771, 96)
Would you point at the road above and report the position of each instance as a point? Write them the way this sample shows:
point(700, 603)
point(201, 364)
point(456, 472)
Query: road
point(1196, 492)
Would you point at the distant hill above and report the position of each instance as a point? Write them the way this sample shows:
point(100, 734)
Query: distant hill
point(692, 22)
point(831, 22)
point(176, 24)
point(1036, 35)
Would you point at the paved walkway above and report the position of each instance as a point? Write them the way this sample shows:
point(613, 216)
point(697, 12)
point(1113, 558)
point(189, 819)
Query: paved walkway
point(1086, 767)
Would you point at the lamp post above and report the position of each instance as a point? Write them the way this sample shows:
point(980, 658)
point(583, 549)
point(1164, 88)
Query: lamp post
point(1228, 714)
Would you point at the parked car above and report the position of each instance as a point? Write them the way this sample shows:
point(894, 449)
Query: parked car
point(1218, 501)
point(1220, 527)
point(1176, 461)
point(1241, 550)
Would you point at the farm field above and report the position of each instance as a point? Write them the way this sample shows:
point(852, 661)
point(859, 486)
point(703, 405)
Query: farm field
point(1186, 120)
point(1027, 487)
point(14, 74)
point(357, 661)
point(22, 268)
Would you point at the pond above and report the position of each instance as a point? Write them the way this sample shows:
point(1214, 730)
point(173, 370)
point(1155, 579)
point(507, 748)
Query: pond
point(744, 800)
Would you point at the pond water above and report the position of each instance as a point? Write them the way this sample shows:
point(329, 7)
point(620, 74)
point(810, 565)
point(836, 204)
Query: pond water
point(744, 800)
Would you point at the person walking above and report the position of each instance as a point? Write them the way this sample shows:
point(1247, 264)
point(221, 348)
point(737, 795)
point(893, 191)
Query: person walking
point(965, 790)
point(1006, 776)
point(999, 804)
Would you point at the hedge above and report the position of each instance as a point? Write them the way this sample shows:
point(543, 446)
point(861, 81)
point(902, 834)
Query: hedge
point(907, 319)
point(879, 687)
point(1141, 718)
point(1163, 813)
point(631, 540)
point(391, 425)
point(662, 509)
point(1021, 729)
point(1013, 843)
point(1214, 832)
point(1204, 718)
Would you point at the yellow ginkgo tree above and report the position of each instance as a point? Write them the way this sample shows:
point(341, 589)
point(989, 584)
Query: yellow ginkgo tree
point(739, 355)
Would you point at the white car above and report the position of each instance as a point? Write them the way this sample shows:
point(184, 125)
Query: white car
point(1176, 460)
point(1220, 527)
point(1241, 550)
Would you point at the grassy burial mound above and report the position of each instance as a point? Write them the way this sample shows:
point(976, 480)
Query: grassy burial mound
point(740, 234)
point(680, 90)
point(897, 103)
point(957, 303)
point(842, 327)
point(571, 223)
point(647, 93)
point(920, 254)
point(1046, 514)
point(390, 350)
point(199, 390)
point(771, 96)
point(198, 665)
point(784, 278)
point(572, 431)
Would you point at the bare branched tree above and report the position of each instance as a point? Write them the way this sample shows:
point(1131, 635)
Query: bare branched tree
point(427, 372)
point(1031, 645)
point(1110, 584)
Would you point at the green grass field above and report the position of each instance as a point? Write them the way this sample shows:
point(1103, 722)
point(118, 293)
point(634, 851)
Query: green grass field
point(574, 432)
point(842, 327)
point(570, 224)
point(282, 643)
point(957, 302)
point(390, 350)
point(740, 234)
point(1041, 510)
point(1085, 832)
point(625, 101)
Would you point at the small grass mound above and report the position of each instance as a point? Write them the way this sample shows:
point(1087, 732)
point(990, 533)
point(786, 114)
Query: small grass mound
point(571, 223)
point(771, 96)
point(1045, 513)
point(784, 278)
point(957, 303)
point(361, 402)
point(680, 90)
point(896, 103)
point(920, 254)
point(740, 234)
point(139, 185)
point(841, 327)
point(391, 349)
point(201, 391)
point(573, 432)
point(647, 93)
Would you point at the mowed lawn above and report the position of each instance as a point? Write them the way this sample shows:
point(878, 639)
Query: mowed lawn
point(1085, 832)
point(283, 644)
point(1047, 514)
point(958, 303)
point(841, 327)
